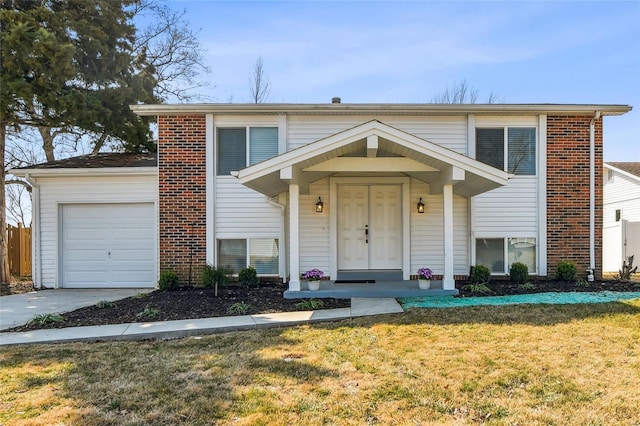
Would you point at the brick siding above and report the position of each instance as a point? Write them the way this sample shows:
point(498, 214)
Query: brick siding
point(568, 140)
point(182, 195)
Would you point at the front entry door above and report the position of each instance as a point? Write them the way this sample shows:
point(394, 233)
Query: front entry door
point(369, 227)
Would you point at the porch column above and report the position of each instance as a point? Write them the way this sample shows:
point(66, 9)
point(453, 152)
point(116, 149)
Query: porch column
point(294, 237)
point(448, 283)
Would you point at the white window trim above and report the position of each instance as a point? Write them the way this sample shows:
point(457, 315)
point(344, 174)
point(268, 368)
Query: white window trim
point(505, 252)
point(247, 139)
point(247, 241)
point(505, 145)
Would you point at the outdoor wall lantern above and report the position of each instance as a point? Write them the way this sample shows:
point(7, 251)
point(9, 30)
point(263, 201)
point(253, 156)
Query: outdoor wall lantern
point(420, 206)
point(319, 206)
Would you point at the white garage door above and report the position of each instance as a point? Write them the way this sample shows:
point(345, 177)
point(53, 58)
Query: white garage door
point(108, 245)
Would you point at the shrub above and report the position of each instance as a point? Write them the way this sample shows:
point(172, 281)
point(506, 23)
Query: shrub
point(248, 277)
point(627, 270)
point(168, 281)
point(480, 274)
point(519, 273)
point(148, 312)
point(566, 271)
point(239, 308)
point(477, 288)
point(213, 277)
point(104, 304)
point(311, 304)
point(527, 286)
point(44, 319)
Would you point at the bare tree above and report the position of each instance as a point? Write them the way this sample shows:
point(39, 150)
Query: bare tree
point(462, 93)
point(259, 83)
point(18, 206)
point(171, 46)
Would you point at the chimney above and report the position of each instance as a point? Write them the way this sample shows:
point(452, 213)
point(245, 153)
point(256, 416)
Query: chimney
point(335, 100)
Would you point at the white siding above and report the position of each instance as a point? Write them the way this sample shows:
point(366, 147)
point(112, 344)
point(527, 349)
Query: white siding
point(450, 132)
point(55, 191)
point(427, 235)
point(241, 212)
point(620, 239)
point(622, 193)
point(509, 211)
point(314, 228)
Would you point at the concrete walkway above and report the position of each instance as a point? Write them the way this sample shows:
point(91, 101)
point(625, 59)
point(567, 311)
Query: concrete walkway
point(183, 328)
point(18, 309)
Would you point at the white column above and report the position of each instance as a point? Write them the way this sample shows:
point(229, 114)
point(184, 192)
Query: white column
point(294, 237)
point(448, 283)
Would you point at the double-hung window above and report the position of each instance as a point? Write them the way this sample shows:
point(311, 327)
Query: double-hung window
point(512, 149)
point(244, 146)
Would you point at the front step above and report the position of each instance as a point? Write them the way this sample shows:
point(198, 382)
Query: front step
point(377, 275)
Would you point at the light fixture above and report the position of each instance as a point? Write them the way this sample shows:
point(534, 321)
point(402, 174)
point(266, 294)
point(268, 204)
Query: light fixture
point(420, 206)
point(319, 206)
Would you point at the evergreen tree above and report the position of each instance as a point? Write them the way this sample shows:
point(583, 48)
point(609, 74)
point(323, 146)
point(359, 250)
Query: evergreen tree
point(70, 64)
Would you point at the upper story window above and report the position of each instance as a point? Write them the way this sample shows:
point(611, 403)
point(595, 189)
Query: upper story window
point(511, 148)
point(244, 146)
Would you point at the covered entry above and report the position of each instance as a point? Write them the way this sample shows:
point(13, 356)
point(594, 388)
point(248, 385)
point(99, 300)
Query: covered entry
point(370, 168)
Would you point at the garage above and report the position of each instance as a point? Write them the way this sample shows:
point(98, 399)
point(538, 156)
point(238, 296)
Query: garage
point(107, 245)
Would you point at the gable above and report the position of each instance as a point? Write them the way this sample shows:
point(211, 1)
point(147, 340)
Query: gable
point(373, 148)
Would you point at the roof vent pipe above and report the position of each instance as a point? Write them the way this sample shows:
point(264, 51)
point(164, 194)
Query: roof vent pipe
point(335, 100)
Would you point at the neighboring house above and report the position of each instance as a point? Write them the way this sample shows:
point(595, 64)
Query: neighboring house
point(351, 189)
point(621, 217)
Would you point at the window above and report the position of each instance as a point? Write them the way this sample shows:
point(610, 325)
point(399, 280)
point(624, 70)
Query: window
point(490, 147)
point(263, 144)
point(263, 254)
point(232, 147)
point(523, 250)
point(490, 252)
point(610, 176)
point(232, 253)
point(520, 149)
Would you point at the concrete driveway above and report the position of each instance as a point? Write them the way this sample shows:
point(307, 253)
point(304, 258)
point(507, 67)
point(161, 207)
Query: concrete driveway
point(18, 309)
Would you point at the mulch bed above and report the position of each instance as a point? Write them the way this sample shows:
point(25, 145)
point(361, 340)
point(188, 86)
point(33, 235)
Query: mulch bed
point(187, 303)
point(506, 288)
point(196, 302)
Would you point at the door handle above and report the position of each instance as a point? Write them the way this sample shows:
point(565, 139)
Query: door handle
point(366, 234)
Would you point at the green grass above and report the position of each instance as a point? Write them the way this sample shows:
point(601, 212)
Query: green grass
point(495, 365)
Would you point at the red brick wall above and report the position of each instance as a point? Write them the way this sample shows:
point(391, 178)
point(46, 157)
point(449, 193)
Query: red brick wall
point(568, 140)
point(182, 195)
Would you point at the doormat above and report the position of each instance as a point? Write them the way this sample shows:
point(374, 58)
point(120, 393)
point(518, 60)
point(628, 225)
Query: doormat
point(354, 281)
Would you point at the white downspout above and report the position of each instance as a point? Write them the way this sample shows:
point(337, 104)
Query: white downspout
point(36, 266)
point(592, 196)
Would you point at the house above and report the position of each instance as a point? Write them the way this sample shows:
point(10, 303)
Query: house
point(621, 214)
point(356, 190)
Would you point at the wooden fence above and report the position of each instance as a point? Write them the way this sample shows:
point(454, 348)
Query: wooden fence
point(19, 240)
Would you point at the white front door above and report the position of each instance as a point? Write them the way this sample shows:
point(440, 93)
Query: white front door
point(369, 227)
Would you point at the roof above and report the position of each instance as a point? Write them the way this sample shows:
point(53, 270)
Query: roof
point(389, 109)
point(373, 147)
point(104, 161)
point(632, 168)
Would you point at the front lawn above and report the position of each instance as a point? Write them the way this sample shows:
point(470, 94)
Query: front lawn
point(525, 364)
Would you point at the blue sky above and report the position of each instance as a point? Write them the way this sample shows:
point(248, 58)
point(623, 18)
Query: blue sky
point(363, 51)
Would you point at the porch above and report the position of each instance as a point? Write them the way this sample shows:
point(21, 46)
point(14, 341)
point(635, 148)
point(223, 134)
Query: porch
point(377, 289)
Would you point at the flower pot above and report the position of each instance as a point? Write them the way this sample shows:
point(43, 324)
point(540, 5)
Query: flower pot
point(424, 284)
point(314, 285)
